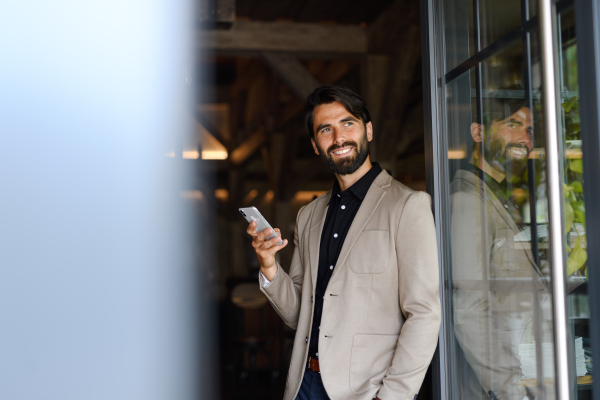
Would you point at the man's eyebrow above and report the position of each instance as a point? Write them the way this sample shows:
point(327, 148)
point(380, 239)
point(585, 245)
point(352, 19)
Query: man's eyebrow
point(322, 126)
point(347, 119)
point(513, 121)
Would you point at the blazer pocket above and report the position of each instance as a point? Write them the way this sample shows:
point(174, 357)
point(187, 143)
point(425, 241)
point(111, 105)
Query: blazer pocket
point(369, 254)
point(370, 359)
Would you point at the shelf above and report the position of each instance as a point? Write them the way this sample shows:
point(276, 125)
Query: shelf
point(581, 380)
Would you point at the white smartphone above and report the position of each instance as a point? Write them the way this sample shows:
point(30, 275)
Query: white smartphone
point(252, 214)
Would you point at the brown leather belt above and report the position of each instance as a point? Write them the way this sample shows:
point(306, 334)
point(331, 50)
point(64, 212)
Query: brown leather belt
point(313, 364)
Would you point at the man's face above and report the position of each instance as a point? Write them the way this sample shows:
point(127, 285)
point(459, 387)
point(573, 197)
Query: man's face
point(340, 138)
point(507, 143)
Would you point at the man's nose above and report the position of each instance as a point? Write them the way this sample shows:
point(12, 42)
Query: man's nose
point(525, 139)
point(338, 136)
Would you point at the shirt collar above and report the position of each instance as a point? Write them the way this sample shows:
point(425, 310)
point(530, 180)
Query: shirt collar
point(500, 189)
point(360, 187)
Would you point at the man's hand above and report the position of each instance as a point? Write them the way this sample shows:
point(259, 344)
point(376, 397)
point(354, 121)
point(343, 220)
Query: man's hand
point(265, 250)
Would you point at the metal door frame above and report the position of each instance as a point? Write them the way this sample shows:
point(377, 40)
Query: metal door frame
point(587, 14)
point(587, 26)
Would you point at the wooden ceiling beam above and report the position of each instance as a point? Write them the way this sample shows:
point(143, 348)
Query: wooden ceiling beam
point(334, 71)
point(329, 74)
point(293, 73)
point(388, 31)
point(404, 71)
point(254, 37)
point(248, 146)
point(395, 33)
point(375, 73)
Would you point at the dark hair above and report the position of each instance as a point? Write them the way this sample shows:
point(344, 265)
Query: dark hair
point(499, 109)
point(327, 94)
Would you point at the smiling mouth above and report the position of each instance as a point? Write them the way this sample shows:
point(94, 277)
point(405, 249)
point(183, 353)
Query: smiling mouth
point(342, 151)
point(518, 152)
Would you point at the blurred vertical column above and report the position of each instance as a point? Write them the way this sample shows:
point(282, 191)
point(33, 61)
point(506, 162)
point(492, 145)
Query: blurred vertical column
point(98, 278)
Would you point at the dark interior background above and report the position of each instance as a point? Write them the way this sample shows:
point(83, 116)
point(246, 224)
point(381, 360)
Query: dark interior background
point(256, 62)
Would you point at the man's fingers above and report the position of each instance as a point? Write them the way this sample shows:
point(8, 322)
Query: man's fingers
point(278, 231)
point(251, 229)
point(272, 242)
point(275, 248)
point(262, 235)
point(259, 239)
point(272, 247)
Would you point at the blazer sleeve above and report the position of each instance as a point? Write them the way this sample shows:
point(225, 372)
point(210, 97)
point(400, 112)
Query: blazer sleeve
point(418, 276)
point(285, 290)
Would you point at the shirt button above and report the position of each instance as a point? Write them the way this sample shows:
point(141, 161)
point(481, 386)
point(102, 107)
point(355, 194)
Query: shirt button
point(339, 195)
point(317, 354)
point(343, 207)
point(331, 267)
point(335, 235)
point(506, 206)
point(306, 339)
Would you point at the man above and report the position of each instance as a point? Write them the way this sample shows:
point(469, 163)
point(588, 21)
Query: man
point(492, 313)
point(362, 291)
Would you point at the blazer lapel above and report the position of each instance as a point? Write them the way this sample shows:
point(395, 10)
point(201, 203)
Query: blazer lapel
point(316, 229)
point(364, 214)
point(500, 210)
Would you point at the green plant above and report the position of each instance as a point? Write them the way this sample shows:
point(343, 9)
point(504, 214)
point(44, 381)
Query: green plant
point(573, 187)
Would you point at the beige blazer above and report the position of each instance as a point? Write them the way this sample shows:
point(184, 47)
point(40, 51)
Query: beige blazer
point(381, 314)
point(490, 320)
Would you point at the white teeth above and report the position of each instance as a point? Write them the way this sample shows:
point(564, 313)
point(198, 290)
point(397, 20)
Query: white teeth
point(518, 152)
point(342, 151)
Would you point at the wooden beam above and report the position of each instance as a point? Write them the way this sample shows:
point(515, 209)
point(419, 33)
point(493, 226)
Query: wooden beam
point(387, 33)
point(396, 32)
point(289, 112)
point(404, 71)
point(218, 14)
point(246, 37)
point(334, 71)
point(326, 73)
point(255, 100)
point(293, 73)
point(248, 146)
point(375, 72)
point(412, 130)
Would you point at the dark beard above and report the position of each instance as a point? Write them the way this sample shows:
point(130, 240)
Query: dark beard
point(348, 165)
point(497, 156)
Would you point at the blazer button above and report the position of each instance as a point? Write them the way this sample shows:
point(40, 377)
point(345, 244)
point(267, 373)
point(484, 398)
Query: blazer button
point(311, 299)
point(307, 339)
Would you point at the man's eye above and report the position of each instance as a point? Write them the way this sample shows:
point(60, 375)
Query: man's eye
point(512, 126)
point(348, 124)
point(325, 131)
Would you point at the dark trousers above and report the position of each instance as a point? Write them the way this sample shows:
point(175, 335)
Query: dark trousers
point(312, 387)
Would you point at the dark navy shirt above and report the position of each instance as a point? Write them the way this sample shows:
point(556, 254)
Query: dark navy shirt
point(342, 209)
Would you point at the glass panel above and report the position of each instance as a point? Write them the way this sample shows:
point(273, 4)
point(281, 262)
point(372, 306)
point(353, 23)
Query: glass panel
point(532, 5)
point(458, 24)
point(497, 18)
point(574, 209)
point(501, 304)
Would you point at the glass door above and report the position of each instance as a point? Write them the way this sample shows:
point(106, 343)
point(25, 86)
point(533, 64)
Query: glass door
point(507, 178)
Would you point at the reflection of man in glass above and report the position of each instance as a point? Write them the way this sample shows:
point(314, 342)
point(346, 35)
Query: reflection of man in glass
point(493, 290)
point(506, 145)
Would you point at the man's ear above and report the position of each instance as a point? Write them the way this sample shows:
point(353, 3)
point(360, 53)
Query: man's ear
point(476, 130)
point(314, 146)
point(369, 127)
